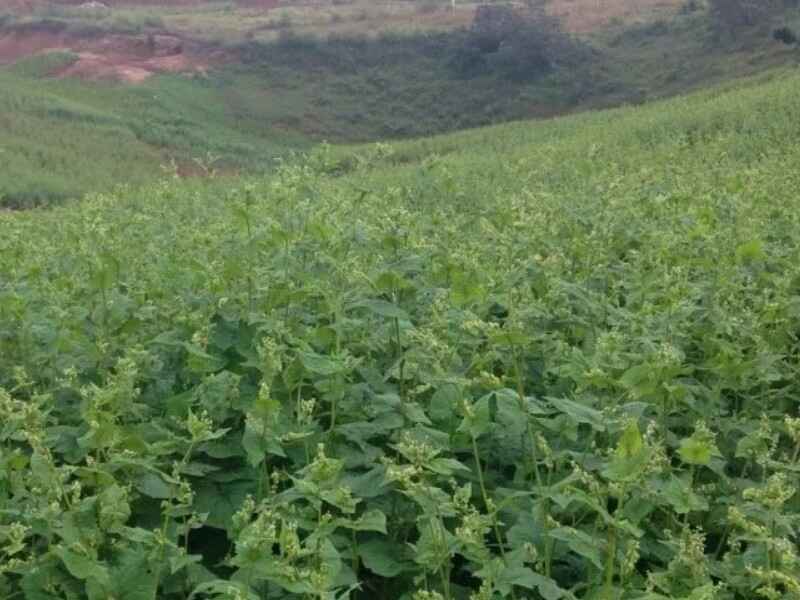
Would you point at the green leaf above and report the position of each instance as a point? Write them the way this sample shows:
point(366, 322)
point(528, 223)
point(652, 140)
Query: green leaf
point(631, 456)
point(372, 520)
point(139, 580)
point(638, 380)
point(435, 545)
point(521, 576)
point(83, 567)
point(465, 288)
point(631, 444)
point(750, 252)
point(222, 589)
point(446, 466)
point(258, 445)
point(221, 501)
point(415, 413)
point(581, 544)
point(508, 339)
point(114, 508)
point(384, 309)
point(580, 413)
point(153, 486)
point(37, 583)
point(699, 449)
point(181, 561)
point(366, 485)
point(479, 422)
point(443, 403)
point(201, 362)
point(380, 557)
point(679, 494)
point(319, 364)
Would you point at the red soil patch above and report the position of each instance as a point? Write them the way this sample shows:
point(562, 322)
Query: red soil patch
point(125, 58)
point(28, 5)
point(14, 46)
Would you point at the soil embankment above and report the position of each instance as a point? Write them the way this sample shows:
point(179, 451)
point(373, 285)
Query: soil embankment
point(119, 57)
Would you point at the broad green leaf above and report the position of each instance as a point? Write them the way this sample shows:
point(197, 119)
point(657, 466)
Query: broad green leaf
point(479, 422)
point(520, 576)
point(372, 520)
point(153, 486)
point(680, 495)
point(698, 449)
point(446, 466)
point(381, 557)
point(581, 543)
point(384, 309)
point(320, 365)
point(579, 412)
point(133, 577)
point(114, 508)
point(630, 457)
point(83, 567)
point(199, 361)
point(221, 500)
point(443, 403)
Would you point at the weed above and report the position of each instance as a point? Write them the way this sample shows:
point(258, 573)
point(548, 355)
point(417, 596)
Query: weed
point(551, 361)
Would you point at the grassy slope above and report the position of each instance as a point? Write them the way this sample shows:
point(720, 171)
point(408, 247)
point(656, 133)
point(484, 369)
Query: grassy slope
point(649, 264)
point(62, 138)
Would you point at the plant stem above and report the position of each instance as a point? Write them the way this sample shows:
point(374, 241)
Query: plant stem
point(610, 559)
point(524, 409)
point(721, 546)
point(400, 358)
point(485, 496)
point(442, 573)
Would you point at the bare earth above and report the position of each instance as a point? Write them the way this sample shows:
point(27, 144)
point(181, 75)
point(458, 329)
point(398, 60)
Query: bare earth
point(584, 16)
point(124, 58)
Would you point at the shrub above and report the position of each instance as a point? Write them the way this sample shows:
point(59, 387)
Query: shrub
point(689, 7)
point(742, 13)
point(493, 25)
point(785, 35)
point(517, 44)
point(468, 61)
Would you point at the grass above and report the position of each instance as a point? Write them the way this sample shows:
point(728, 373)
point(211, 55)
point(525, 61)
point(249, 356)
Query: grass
point(543, 360)
point(63, 138)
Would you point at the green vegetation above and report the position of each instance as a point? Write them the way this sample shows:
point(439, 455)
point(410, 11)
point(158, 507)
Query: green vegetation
point(62, 138)
point(544, 361)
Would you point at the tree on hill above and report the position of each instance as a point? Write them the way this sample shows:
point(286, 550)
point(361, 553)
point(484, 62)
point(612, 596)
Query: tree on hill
point(516, 42)
point(735, 14)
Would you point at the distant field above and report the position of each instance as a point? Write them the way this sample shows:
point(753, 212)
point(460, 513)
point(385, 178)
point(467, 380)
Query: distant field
point(231, 22)
point(586, 16)
point(371, 18)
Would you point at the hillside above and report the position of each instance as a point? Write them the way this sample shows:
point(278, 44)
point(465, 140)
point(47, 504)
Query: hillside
point(542, 361)
point(89, 100)
point(36, 5)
